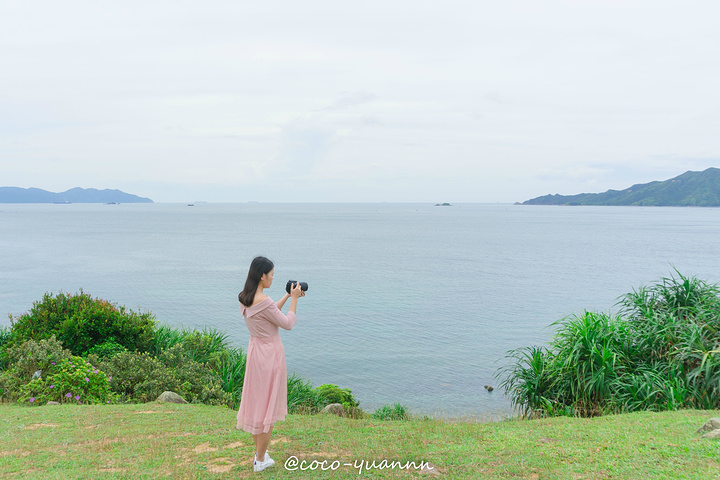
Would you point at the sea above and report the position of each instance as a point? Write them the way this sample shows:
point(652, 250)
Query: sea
point(415, 304)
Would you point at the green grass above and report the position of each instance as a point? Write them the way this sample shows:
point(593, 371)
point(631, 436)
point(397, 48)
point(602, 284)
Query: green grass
point(196, 441)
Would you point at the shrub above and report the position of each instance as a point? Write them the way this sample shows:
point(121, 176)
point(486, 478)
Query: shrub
point(31, 356)
point(26, 359)
point(73, 380)
point(5, 334)
point(81, 322)
point(329, 393)
point(106, 349)
point(391, 412)
point(140, 377)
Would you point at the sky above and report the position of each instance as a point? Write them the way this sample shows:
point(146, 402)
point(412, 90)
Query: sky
point(371, 101)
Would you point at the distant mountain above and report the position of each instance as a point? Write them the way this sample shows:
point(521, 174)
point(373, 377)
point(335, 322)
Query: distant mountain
point(74, 195)
point(691, 189)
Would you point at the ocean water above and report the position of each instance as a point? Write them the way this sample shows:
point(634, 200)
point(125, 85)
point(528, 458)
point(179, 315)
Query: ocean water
point(408, 303)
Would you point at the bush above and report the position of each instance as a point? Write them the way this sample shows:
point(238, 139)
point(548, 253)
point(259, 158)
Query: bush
point(107, 349)
point(73, 380)
point(391, 412)
point(25, 360)
point(661, 353)
point(5, 334)
point(140, 377)
point(333, 394)
point(81, 322)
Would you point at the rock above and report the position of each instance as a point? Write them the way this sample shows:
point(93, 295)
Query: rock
point(712, 434)
point(335, 409)
point(489, 388)
point(712, 424)
point(170, 397)
point(52, 403)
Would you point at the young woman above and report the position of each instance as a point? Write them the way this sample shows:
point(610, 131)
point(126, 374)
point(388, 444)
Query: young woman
point(264, 394)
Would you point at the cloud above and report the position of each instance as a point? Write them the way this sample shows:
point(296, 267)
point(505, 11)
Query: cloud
point(304, 142)
point(491, 101)
point(350, 100)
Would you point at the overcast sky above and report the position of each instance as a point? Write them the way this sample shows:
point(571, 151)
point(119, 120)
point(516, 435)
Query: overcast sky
point(364, 101)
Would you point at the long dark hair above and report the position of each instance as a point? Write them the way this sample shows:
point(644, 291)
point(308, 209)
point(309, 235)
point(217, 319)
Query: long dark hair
point(259, 267)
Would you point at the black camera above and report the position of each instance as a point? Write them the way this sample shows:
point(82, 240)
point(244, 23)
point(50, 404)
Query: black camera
point(303, 286)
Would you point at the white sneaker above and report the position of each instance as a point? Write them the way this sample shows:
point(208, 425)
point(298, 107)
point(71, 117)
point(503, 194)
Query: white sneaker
point(260, 466)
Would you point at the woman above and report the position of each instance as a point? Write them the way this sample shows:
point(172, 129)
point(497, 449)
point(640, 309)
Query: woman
point(264, 394)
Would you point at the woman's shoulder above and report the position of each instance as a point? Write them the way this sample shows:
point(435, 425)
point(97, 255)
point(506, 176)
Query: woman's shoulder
point(259, 300)
point(257, 306)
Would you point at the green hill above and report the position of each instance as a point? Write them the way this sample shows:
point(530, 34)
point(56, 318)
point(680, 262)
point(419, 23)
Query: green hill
point(691, 189)
point(74, 195)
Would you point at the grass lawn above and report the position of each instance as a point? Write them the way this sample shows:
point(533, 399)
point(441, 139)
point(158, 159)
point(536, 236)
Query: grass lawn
point(195, 441)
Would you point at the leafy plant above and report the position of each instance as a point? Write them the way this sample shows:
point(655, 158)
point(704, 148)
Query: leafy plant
point(302, 397)
point(80, 322)
point(106, 349)
point(201, 345)
point(229, 364)
point(5, 334)
point(73, 380)
point(140, 377)
point(31, 356)
point(329, 393)
point(662, 352)
point(27, 360)
point(391, 412)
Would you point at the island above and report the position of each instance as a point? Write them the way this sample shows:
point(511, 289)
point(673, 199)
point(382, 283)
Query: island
point(74, 195)
point(691, 189)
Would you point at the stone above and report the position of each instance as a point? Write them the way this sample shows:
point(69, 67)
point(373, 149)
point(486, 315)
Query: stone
point(335, 409)
point(712, 434)
point(170, 397)
point(712, 424)
point(52, 403)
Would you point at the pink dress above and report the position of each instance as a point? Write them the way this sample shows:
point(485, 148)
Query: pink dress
point(264, 394)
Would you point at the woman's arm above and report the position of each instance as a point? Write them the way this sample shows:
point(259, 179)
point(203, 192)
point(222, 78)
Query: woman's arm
point(281, 302)
point(289, 320)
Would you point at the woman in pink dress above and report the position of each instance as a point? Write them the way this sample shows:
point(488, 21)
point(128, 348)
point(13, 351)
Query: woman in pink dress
point(264, 394)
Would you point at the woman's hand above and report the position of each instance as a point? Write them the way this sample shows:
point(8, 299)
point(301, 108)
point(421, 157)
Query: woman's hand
point(296, 291)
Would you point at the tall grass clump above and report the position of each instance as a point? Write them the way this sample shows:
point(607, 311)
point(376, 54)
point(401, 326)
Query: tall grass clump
point(302, 397)
point(660, 352)
point(392, 412)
